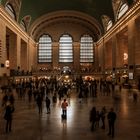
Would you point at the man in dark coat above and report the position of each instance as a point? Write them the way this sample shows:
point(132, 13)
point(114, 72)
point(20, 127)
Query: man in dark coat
point(48, 102)
point(111, 121)
point(93, 118)
point(9, 109)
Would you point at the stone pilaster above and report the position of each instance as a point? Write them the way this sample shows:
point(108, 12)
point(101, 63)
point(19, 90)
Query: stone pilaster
point(96, 60)
point(19, 52)
point(55, 54)
point(3, 51)
point(24, 56)
point(137, 43)
point(103, 57)
point(13, 51)
point(114, 56)
point(76, 57)
point(131, 43)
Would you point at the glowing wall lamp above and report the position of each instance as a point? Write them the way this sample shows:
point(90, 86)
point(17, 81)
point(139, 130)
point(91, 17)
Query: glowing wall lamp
point(7, 64)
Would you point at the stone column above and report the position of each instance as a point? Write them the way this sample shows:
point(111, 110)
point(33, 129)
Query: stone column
point(137, 43)
point(96, 60)
point(103, 57)
point(13, 51)
point(55, 54)
point(34, 52)
point(108, 55)
point(114, 46)
point(76, 56)
point(24, 55)
point(100, 59)
point(19, 52)
point(131, 45)
point(3, 51)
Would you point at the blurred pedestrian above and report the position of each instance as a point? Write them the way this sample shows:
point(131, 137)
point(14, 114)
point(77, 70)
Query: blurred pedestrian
point(103, 115)
point(48, 102)
point(64, 109)
point(9, 109)
point(93, 118)
point(135, 96)
point(111, 121)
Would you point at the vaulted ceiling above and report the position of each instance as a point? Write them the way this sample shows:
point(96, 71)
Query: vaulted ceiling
point(93, 8)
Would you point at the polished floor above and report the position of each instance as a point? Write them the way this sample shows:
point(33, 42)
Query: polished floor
point(29, 125)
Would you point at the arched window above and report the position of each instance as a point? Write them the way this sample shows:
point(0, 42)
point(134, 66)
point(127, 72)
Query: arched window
point(109, 25)
point(86, 49)
point(23, 25)
point(122, 10)
point(45, 49)
point(65, 49)
point(9, 8)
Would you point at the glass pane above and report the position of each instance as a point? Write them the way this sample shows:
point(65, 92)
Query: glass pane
point(122, 10)
point(65, 49)
point(23, 26)
point(45, 49)
point(10, 10)
point(109, 25)
point(86, 49)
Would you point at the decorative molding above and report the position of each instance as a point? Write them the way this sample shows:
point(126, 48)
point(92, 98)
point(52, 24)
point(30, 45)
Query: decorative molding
point(121, 23)
point(13, 25)
point(66, 16)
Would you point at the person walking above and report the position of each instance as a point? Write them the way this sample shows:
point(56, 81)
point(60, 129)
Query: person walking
point(103, 115)
point(64, 108)
point(111, 121)
point(9, 109)
point(93, 118)
point(48, 102)
point(39, 103)
point(97, 119)
point(135, 96)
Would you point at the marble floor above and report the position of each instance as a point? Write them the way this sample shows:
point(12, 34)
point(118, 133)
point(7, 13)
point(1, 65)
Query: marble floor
point(29, 125)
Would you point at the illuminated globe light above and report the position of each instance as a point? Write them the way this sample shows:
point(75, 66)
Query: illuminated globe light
point(125, 56)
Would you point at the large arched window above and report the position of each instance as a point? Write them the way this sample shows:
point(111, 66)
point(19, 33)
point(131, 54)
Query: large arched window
point(9, 8)
point(65, 49)
point(109, 25)
point(45, 49)
point(122, 10)
point(86, 49)
point(107, 22)
point(23, 25)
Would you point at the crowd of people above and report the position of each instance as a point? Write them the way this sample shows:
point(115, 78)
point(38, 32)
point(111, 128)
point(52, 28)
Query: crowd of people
point(96, 117)
point(40, 90)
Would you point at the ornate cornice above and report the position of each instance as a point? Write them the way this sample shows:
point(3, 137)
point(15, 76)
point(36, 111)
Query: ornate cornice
point(121, 23)
point(13, 25)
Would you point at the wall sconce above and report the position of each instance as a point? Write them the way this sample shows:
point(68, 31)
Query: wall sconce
point(125, 56)
point(7, 63)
